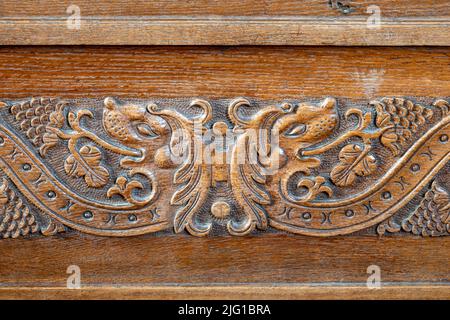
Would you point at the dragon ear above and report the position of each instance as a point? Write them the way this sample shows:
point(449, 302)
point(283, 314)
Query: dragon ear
point(328, 104)
point(110, 103)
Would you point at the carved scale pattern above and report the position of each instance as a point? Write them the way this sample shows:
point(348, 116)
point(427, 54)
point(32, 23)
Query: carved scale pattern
point(127, 168)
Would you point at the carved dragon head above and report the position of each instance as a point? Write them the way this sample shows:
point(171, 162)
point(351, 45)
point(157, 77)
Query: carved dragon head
point(306, 125)
point(130, 123)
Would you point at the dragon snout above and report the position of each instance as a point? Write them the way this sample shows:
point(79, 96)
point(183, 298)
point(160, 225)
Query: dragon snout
point(157, 124)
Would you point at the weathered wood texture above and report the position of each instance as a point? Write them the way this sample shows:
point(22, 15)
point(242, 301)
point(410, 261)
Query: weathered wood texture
point(192, 268)
point(240, 292)
point(270, 73)
point(266, 259)
point(313, 22)
point(330, 8)
point(148, 266)
point(225, 31)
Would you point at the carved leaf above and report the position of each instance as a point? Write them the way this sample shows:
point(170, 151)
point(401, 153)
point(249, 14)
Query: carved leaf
point(400, 118)
point(353, 162)
point(388, 226)
point(194, 178)
point(88, 166)
point(49, 139)
point(315, 186)
point(444, 106)
point(37, 117)
point(191, 196)
point(124, 187)
point(57, 117)
point(53, 227)
point(248, 179)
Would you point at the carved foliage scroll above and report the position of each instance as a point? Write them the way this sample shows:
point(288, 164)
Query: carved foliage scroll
point(323, 168)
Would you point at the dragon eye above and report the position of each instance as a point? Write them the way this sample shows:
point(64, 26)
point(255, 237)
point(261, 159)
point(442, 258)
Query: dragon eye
point(295, 130)
point(145, 130)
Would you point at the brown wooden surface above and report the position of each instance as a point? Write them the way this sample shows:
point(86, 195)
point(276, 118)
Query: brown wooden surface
point(231, 292)
point(396, 8)
point(251, 22)
point(265, 259)
point(271, 73)
point(271, 267)
point(145, 266)
point(226, 31)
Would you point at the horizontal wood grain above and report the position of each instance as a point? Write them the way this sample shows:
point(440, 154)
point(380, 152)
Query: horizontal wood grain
point(270, 259)
point(230, 292)
point(389, 8)
point(224, 31)
point(270, 266)
point(271, 73)
point(250, 22)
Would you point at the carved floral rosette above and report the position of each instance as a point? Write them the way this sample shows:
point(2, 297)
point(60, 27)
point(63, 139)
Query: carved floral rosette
point(320, 168)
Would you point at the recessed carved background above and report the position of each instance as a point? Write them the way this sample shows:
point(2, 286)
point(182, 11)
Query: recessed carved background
point(114, 167)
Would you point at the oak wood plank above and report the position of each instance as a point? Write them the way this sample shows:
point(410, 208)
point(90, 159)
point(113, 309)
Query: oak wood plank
point(270, 73)
point(260, 259)
point(148, 267)
point(224, 31)
point(258, 292)
point(389, 8)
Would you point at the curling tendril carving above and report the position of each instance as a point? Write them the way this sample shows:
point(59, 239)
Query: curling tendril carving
point(309, 168)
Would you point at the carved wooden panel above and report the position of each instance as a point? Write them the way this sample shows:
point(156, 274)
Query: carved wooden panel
point(319, 168)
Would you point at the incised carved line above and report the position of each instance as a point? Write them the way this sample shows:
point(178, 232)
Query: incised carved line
point(129, 168)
